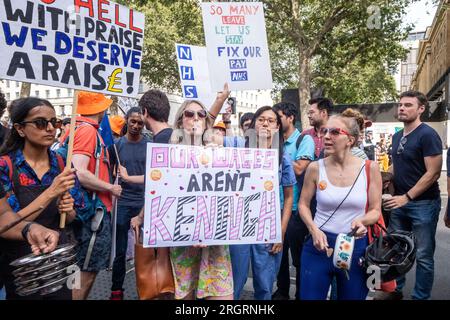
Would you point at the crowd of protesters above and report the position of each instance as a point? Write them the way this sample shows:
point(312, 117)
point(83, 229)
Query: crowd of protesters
point(325, 190)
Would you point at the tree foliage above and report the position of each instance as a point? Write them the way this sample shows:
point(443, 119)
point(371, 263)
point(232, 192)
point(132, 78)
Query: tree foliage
point(166, 23)
point(348, 48)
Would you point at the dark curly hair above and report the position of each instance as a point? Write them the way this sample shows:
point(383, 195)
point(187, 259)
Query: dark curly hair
point(2, 104)
point(156, 105)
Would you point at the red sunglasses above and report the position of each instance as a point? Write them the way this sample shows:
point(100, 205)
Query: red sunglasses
point(333, 131)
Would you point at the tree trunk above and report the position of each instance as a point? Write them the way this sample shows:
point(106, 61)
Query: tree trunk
point(25, 90)
point(304, 88)
point(113, 109)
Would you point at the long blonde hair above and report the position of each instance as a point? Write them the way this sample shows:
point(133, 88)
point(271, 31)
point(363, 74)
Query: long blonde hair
point(178, 132)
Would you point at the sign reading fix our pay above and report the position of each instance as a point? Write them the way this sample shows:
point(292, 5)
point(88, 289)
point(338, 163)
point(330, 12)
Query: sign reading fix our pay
point(212, 196)
point(92, 45)
point(236, 40)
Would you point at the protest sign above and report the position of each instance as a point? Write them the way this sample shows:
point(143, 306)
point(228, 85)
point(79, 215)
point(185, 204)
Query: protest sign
point(213, 196)
point(92, 45)
point(236, 41)
point(194, 74)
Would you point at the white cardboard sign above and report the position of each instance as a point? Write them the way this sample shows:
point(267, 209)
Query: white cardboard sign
point(212, 196)
point(236, 41)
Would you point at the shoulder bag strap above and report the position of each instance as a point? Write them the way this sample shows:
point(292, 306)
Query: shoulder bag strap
point(340, 204)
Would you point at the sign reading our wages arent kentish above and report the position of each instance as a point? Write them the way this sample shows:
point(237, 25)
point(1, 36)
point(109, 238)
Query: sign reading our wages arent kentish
point(212, 196)
point(236, 41)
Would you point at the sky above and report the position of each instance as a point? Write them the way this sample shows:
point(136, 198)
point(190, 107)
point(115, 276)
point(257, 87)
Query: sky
point(421, 14)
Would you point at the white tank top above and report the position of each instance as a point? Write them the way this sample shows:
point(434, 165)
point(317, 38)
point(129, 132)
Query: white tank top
point(329, 197)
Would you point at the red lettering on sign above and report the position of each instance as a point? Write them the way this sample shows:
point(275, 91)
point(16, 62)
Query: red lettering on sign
point(236, 20)
point(132, 27)
point(117, 20)
point(101, 11)
point(85, 4)
point(48, 1)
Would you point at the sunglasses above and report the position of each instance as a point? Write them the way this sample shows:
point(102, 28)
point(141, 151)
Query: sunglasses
point(42, 124)
point(401, 146)
point(190, 114)
point(333, 131)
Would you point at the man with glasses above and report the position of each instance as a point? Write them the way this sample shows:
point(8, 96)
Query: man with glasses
point(417, 163)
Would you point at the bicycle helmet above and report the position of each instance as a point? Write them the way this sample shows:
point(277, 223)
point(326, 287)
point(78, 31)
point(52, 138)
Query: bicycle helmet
point(394, 253)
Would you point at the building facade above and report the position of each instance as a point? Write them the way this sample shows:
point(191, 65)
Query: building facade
point(433, 63)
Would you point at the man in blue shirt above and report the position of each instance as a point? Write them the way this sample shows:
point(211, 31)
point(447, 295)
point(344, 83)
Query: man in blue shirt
point(301, 152)
point(417, 164)
point(131, 153)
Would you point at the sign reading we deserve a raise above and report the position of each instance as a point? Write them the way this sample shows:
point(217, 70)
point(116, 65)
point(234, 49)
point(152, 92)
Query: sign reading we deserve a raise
point(212, 196)
point(93, 45)
point(236, 40)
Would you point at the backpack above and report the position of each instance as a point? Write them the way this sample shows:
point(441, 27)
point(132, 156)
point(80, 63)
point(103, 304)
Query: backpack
point(90, 199)
point(8, 160)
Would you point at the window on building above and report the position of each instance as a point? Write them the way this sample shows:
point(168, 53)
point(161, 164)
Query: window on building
point(36, 93)
point(69, 92)
point(8, 96)
point(58, 93)
point(404, 69)
point(413, 56)
point(7, 83)
point(63, 114)
point(17, 95)
point(47, 94)
point(17, 84)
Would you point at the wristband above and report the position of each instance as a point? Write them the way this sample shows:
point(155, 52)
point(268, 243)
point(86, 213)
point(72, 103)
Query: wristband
point(26, 229)
point(409, 198)
point(226, 121)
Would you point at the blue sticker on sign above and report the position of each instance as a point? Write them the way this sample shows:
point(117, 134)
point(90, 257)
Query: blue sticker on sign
point(239, 76)
point(187, 73)
point(238, 64)
point(190, 92)
point(184, 53)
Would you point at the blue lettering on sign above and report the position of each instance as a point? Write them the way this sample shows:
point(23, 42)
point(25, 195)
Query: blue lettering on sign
point(239, 76)
point(187, 73)
point(184, 53)
point(11, 39)
point(36, 36)
point(190, 92)
point(238, 64)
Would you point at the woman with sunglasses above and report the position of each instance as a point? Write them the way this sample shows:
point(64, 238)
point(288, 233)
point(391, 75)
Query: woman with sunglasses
point(265, 131)
point(202, 272)
point(33, 177)
point(345, 204)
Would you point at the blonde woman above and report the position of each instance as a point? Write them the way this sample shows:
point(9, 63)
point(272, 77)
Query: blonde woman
point(340, 185)
point(202, 272)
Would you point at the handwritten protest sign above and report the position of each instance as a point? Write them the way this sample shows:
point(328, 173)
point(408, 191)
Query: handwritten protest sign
point(194, 73)
point(212, 196)
point(236, 40)
point(93, 45)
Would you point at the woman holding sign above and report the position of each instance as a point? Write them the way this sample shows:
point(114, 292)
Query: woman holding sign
point(33, 176)
point(199, 271)
point(265, 131)
point(347, 202)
